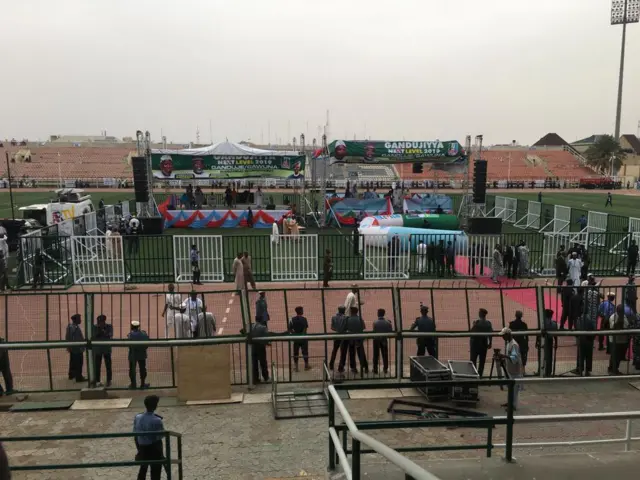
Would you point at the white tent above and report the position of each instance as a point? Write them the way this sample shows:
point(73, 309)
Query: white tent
point(226, 148)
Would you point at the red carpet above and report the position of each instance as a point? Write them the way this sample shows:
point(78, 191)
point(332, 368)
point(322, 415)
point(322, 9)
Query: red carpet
point(524, 296)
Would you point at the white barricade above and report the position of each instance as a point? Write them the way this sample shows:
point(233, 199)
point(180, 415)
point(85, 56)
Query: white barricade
point(510, 209)
point(475, 257)
point(210, 253)
point(499, 210)
point(383, 261)
point(294, 258)
point(97, 260)
point(550, 248)
point(532, 218)
point(91, 223)
point(561, 219)
point(596, 225)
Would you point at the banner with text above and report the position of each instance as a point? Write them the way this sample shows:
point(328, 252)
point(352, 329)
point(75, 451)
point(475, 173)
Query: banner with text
point(180, 166)
point(376, 152)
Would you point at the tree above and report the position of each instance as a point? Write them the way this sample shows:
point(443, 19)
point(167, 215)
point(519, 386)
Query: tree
point(601, 154)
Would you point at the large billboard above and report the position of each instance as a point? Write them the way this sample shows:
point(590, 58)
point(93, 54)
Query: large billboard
point(168, 166)
point(392, 152)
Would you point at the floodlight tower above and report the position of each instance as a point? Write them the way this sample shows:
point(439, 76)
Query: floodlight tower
point(622, 13)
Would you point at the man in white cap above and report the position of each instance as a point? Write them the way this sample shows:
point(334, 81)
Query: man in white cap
point(192, 307)
point(340, 151)
point(172, 309)
point(513, 362)
point(575, 268)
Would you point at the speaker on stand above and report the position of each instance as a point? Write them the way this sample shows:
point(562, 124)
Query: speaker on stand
point(480, 182)
point(140, 179)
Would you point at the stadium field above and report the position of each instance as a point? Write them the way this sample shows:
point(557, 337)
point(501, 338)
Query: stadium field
point(624, 205)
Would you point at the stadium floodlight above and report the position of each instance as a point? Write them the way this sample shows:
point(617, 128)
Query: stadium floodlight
point(625, 11)
point(622, 13)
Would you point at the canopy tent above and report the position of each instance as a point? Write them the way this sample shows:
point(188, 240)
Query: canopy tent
point(226, 160)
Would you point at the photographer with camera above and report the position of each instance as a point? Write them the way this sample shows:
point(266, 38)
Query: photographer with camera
point(512, 362)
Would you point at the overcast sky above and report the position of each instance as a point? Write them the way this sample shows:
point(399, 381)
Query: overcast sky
point(402, 69)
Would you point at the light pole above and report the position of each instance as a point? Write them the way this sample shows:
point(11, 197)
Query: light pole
point(623, 12)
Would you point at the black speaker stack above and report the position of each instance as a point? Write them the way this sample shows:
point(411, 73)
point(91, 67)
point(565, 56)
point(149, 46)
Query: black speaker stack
point(140, 179)
point(485, 225)
point(480, 181)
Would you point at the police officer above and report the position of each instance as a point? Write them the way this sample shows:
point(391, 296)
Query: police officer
point(194, 257)
point(519, 325)
point(137, 355)
point(480, 344)
point(102, 331)
point(38, 269)
point(354, 326)
point(381, 345)
point(262, 309)
point(259, 350)
point(425, 324)
point(550, 342)
point(135, 229)
point(298, 326)
point(76, 358)
point(338, 325)
point(149, 446)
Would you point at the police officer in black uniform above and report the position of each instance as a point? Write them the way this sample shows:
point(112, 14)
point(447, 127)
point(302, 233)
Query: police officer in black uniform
point(298, 326)
point(259, 350)
point(425, 324)
point(354, 346)
point(76, 357)
point(480, 344)
point(381, 345)
point(550, 342)
point(38, 269)
point(338, 325)
point(137, 355)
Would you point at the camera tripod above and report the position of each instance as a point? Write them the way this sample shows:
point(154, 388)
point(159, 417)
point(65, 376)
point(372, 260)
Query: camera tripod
point(498, 363)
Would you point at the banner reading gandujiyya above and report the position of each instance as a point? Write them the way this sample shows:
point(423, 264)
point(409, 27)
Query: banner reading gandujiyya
point(168, 166)
point(376, 152)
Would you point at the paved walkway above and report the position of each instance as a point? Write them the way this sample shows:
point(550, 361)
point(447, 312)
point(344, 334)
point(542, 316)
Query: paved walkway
point(243, 441)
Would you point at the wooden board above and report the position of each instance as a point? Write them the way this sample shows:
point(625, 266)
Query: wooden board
point(203, 372)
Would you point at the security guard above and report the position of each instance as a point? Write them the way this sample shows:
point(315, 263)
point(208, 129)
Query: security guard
point(194, 256)
point(138, 355)
point(550, 342)
point(480, 344)
point(102, 331)
point(425, 324)
point(381, 345)
point(262, 310)
point(149, 446)
point(259, 356)
point(354, 325)
point(298, 326)
point(338, 325)
point(76, 357)
point(38, 269)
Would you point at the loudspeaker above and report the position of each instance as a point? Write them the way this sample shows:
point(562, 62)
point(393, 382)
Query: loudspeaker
point(140, 179)
point(417, 168)
point(480, 181)
point(485, 225)
point(152, 225)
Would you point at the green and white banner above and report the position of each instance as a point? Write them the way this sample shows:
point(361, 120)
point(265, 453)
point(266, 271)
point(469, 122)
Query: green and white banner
point(391, 152)
point(226, 160)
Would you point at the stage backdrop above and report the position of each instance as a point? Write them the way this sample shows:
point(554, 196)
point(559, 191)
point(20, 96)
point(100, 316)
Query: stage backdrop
point(391, 152)
point(226, 160)
point(347, 210)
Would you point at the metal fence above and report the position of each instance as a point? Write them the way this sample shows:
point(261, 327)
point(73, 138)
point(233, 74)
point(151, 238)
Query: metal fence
point(151, 258)
point(34, 327)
